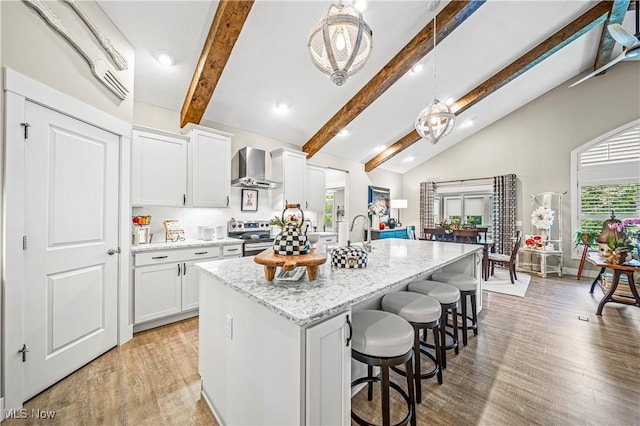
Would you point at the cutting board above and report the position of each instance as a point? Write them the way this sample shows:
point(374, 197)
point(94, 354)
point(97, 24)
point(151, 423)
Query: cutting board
point(271, 261)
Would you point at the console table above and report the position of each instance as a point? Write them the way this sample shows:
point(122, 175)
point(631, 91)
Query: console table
point(613, 294)
point(381, 234)
point(533, 259)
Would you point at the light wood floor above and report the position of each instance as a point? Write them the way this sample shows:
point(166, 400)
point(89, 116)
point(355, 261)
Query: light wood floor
point(534, 362)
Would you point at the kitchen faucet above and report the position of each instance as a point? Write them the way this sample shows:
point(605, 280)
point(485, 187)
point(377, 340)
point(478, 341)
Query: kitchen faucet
point(367, 245)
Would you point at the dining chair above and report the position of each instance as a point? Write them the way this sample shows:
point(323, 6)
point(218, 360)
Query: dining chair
point(483, 230)
point(465, 235)
point(434, 234)
point(506, 259)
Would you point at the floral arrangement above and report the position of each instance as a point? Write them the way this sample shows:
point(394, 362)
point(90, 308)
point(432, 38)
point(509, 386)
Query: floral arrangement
point(375, 209)
point(448, 228)
point(542, 217)
point(632, 230)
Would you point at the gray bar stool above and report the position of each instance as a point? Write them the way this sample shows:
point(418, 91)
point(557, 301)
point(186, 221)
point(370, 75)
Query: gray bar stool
point(423, 313)
point(382, 339)
point(467, 285)
point(448, 296)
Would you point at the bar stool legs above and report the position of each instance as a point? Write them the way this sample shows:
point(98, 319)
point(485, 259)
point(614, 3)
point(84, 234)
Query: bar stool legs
point(465, 317)
point(385, 364)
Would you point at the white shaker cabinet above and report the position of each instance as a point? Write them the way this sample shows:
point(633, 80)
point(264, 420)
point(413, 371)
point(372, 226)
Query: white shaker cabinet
point(314, 192)
point(288, 167)
point(209, 166)
point(158, 168)
point(158, 291)
point(328, 372)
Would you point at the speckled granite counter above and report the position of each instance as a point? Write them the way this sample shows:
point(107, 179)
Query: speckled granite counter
point(392, 262)
point(185, 244)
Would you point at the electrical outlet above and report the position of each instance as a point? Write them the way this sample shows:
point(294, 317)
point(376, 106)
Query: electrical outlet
point(229, 326)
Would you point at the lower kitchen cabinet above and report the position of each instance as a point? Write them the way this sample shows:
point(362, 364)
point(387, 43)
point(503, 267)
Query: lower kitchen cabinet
point(166, 283)
point(158, 291)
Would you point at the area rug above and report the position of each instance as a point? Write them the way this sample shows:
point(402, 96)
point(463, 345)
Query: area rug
point(500, 283)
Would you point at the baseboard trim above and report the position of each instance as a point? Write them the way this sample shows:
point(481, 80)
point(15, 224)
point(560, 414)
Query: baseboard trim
point(164, 321)
point(1, 409)
point(209, 403)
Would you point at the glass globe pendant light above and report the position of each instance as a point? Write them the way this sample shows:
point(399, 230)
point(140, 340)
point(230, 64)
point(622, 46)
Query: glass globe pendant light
point(436, 120)
point(340, 43)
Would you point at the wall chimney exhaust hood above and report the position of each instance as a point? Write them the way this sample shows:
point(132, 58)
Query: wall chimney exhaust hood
point(247, 169)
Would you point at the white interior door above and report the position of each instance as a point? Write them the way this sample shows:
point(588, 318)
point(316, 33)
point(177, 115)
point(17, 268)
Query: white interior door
point(71, 221)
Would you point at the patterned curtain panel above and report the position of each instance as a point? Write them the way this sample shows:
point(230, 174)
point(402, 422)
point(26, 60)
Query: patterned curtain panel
point(504, 212)
point(427, 191)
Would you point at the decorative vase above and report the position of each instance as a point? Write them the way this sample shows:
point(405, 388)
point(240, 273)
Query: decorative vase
point(381, 226)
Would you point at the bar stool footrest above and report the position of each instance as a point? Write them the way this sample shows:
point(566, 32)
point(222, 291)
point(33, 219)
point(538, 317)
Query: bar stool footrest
point(403, 394)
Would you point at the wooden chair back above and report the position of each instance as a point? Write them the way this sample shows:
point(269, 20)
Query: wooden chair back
point(465, 235)
point(434, 234)
point(516, 247)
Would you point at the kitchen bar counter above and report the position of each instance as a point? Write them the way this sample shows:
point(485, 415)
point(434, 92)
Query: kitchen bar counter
point(391, 263)
point(279, 353)
point(188, 243)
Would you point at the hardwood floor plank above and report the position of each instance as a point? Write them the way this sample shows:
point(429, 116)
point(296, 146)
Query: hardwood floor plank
point(535, 363)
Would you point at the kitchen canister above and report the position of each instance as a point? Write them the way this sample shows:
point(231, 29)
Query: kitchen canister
point(208, 233)
point(349, 257)
point(221, 232)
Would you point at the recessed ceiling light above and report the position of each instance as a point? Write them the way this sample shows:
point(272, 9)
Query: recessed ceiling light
point(282, 108)
point(449, 101)
point(360, 5)
point(467, 123)
point(343, 132)
point(165, 59)
point(417, 68)
point(379, 148)
point(408, 159)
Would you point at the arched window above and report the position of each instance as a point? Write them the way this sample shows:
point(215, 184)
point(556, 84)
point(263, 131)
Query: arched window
point(606, 177)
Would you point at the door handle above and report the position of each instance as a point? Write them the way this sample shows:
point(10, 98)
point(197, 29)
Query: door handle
point(227, 201)
point(350, 330)
point(184, 269)
point(178, 269)
point(111, 252)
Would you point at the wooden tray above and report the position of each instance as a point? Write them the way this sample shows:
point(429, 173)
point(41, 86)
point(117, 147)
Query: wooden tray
point(271, 261)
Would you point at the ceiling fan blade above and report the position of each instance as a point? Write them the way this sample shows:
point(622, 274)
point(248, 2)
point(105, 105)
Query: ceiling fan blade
point(621, 35)
point(602, 68)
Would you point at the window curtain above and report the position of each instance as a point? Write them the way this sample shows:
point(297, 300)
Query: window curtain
point(427, 191)
point(504, 212)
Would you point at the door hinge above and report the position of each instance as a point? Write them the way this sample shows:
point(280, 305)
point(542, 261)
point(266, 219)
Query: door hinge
point(24, 242)
point(24, 351)
point(26, 129)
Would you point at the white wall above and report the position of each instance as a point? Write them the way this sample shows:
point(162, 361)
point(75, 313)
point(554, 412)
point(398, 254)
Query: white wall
point(535, 142)
point(357, 185)
point(31, 47)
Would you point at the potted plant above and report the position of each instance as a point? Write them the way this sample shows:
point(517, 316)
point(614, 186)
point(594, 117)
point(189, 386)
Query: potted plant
point(583, 238)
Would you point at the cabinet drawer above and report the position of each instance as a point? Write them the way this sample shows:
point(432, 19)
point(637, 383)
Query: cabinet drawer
point(177, 255)
point(328, 240)
point(232, 250)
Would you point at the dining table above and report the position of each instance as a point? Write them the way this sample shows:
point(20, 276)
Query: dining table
point(487, 245)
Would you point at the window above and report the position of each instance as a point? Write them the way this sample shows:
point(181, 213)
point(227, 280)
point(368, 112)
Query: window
point(328, 218)
point(606, 174)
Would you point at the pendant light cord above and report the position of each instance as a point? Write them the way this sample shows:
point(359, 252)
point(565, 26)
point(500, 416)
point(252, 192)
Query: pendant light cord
point(434, 57)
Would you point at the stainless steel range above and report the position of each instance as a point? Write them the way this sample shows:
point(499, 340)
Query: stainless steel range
point(256, 235)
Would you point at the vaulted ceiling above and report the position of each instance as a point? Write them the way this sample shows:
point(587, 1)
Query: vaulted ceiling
point(269, 63)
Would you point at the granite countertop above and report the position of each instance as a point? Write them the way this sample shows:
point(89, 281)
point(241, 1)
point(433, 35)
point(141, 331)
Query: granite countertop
point(188, 243)
point(392, 262)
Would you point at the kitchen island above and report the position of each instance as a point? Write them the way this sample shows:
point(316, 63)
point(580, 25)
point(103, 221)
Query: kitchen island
point(278, 353)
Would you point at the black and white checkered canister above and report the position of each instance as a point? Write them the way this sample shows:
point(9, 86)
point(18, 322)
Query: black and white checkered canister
point(291, 244)
point(348, 257)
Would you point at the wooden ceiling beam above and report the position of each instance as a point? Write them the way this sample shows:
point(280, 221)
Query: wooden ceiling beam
point(454, 14)
point(605, 49)
point(223, 34)
point(557, 41)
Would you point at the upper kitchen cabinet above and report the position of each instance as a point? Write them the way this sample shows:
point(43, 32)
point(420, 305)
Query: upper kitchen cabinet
point(288, 167)
point(169, 169)
point(158, 168)
point(314, 190)
point(209, 166)
point(301, 183)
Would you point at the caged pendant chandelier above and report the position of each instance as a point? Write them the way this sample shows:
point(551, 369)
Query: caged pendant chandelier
point(436, 120)
point(340, 43)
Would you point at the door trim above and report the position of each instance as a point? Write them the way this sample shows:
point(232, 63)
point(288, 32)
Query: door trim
point(18, 90)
